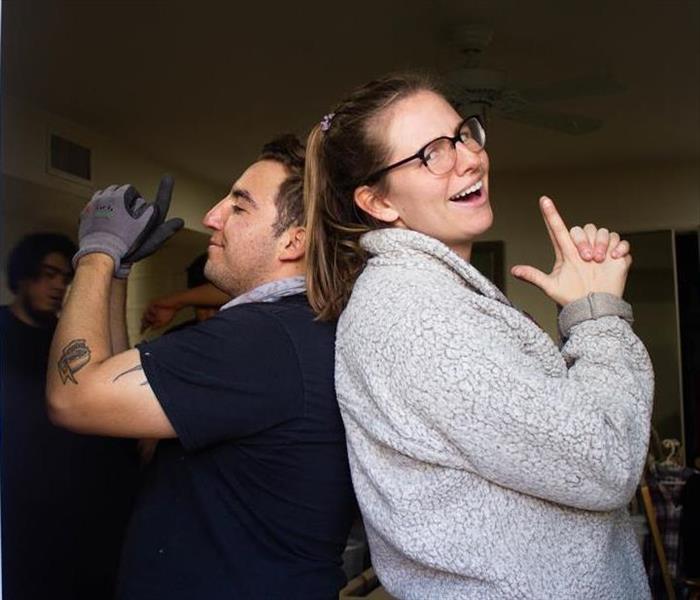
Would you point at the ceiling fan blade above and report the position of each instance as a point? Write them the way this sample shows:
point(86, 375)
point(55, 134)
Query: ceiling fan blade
point(595, 85)
point(566, 123)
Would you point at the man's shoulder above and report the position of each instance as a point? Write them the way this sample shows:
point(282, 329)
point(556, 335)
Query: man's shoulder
point(293, 302)
point(290, 318)
point(282, 318)
point(288, 322)
point(286, 312)
point(10, 321)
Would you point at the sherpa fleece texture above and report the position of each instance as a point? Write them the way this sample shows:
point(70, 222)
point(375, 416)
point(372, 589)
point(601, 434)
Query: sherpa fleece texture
point(487, 462)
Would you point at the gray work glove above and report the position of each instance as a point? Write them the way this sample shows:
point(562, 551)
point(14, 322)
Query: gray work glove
point(160, 230)
point(118, 222)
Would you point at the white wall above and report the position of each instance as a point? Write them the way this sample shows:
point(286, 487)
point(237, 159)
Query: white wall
point(25, 134)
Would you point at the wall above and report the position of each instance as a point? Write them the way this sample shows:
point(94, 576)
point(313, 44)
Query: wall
point(25, 140)
point(33, 199)
point(622, 198)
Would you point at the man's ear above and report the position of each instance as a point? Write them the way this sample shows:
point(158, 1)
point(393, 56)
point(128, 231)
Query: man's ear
point(375, 205)
point(293, 244)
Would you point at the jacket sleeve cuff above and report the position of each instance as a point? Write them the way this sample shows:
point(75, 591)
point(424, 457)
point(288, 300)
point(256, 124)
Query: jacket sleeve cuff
point(593, 306)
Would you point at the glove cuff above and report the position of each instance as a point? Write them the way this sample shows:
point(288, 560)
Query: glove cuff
point(123, 271)
point(104, 243)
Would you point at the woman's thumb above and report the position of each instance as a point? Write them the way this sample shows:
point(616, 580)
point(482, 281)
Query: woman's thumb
point(530, 274)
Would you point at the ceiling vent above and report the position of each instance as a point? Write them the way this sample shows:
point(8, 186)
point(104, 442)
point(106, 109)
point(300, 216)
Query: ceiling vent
point(69, 160)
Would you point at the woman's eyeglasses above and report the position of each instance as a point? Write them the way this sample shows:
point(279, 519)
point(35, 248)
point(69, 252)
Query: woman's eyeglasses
point(440, 155)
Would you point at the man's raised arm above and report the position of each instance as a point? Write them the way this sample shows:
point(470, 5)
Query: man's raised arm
point(90, 389)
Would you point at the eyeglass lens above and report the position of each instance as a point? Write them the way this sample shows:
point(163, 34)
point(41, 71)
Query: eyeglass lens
point(440, 156)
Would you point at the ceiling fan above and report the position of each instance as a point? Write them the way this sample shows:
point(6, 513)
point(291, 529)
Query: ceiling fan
point(486, 91)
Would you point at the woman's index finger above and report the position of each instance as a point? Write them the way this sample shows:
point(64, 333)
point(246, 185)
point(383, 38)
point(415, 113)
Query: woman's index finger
point(556, 226)
point(552, 238)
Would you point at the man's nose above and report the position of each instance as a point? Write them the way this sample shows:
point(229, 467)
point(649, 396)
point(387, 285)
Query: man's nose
point(214, 219)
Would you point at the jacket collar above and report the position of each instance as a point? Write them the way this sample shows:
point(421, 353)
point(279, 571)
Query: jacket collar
point(403, 242)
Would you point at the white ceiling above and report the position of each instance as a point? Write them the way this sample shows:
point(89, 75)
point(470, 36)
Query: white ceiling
point(202, 85)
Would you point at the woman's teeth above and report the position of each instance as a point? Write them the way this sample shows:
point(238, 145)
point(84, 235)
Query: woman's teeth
point(466, 192)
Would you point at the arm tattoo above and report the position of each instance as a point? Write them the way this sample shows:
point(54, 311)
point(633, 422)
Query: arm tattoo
point(74, 356)
point(131, 370)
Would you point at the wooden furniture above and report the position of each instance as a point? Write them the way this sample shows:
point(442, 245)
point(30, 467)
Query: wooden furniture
point(656, 538)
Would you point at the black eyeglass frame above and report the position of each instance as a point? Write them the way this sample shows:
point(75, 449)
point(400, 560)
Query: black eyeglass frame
point(377, 175)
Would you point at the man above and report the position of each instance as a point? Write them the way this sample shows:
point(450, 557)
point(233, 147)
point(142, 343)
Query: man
point(249, 494)
point(65, 497)
point(38, 273)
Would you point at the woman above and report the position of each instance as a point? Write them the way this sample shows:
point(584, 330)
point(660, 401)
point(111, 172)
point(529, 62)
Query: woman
point(487, 462)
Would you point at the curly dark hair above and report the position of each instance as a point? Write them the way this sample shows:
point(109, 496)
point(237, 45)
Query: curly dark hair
point(25, 258)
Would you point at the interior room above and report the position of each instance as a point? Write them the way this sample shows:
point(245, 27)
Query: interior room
point(595, 104)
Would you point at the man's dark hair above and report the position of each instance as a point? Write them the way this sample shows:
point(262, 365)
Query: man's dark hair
point(25, 258)
point(289, 151)
point(195, 271)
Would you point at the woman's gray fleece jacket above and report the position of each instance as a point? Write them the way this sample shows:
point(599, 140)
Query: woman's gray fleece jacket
point(487, 462)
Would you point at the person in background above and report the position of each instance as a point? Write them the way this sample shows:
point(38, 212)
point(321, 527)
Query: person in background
point(65, 497)
point(202, 309)
point(249, 493)
point(200, 294)
point(196, 278)
point(488, 463)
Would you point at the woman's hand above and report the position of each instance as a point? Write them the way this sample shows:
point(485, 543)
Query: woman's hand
point(572, 277)
point(594, 244)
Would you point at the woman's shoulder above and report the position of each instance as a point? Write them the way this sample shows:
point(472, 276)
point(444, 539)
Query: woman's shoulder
point(414, 259)
point(407, 280)
point(394, 298)
point(402, 244)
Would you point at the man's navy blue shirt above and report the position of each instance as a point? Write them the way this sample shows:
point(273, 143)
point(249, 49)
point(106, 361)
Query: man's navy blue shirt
point(254, 498)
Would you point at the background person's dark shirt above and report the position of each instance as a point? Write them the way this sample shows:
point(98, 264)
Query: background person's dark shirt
point(66, 498)
point(254, 500)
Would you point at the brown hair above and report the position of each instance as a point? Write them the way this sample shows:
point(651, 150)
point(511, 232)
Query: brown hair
point(289, 202)
point(341, 155)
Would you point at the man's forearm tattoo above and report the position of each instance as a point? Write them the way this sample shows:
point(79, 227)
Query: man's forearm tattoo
point(74, 356)
point(133, 369)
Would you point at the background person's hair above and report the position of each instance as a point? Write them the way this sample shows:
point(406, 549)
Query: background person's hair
point(288, 151)
point(25, 258)
point(339, 160)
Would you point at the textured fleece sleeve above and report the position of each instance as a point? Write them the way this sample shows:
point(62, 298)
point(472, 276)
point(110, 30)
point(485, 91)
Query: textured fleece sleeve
point(459, 390)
